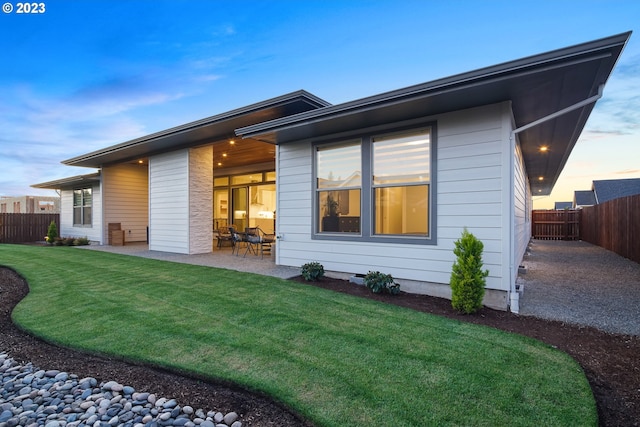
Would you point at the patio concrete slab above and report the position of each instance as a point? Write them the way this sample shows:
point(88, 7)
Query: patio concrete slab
point(220, 258)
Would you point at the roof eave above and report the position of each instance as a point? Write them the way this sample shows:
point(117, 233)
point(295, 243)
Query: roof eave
point(69, 182)
point(124, 151)
point(566, 76)
point(438, 86)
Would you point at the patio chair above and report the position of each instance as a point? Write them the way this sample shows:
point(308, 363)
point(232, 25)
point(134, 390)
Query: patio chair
point(224, 235)
point(237, 239)
point(258, 240)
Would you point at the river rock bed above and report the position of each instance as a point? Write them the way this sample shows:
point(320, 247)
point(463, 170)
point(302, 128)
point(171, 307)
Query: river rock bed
point(31, 397)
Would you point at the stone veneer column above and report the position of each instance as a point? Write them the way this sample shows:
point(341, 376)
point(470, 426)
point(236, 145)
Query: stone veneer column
point(200, 200)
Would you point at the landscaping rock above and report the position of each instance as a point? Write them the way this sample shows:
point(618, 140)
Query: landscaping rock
point(33, 397)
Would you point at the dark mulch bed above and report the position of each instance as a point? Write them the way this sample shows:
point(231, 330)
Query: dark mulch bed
point(611, 362)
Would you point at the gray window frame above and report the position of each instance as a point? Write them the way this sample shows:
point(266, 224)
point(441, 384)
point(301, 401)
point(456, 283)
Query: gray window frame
point(367, 210)
point(316, 191)
point(81, 207)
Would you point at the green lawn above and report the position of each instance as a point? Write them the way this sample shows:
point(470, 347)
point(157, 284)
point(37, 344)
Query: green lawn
point(335, 359)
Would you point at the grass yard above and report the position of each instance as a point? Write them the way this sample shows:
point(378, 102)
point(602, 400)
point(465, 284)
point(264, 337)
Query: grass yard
point(335, 359)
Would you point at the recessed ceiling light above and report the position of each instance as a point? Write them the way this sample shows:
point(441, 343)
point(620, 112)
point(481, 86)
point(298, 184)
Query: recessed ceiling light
point(544, 148)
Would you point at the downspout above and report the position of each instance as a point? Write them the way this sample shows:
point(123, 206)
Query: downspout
point(514, 297)
point(513, 293)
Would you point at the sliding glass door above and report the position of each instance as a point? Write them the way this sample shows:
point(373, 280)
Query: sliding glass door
point(245, 201)
point(262, 210)
point(239, 207)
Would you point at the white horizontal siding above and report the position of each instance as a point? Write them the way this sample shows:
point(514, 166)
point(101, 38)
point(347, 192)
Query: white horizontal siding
point(294, 193)
point(126, 200)
point(470, 193)
point(169, 202)
point(522, 211)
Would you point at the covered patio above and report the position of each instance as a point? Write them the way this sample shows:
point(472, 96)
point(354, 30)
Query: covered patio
point(219, 258)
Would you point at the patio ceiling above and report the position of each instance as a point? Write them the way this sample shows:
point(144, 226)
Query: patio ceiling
point(242, 152)
point(536, 86)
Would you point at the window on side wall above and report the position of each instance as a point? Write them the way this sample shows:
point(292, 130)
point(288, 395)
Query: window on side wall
point(82, 207)
point(378, 187)
point(401, 183)
point(338, 187)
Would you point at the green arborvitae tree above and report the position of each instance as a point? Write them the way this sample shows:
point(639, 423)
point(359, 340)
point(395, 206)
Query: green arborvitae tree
point(52, 233)
point(467, 277)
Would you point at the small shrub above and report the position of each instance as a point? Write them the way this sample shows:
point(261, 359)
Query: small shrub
point(52, 233)
point(380, 282)
point(70, 241)
point(81, 241)
point(312, 271)
point(467, 277)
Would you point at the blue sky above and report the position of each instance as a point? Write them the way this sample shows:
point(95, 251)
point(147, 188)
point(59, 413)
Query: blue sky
point(84, 75)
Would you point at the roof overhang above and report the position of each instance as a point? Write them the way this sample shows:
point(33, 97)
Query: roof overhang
point(70, 182)
point(203, 131)
point(537, 87)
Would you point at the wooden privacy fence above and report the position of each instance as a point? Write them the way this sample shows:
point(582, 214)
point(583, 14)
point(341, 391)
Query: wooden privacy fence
point(614, 225)
point(555, 224)
point(25, 228)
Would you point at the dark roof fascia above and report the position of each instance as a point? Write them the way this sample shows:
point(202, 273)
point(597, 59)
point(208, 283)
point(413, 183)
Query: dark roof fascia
point(301, 95)
point(69, 182)
point(540, 62)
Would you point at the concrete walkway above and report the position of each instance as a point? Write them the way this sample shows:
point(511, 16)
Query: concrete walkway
point(221, 258)
point(580, 283)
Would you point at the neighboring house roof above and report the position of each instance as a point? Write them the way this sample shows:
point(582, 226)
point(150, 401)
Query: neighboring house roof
point(70, 182)
point(610, 189)
point(584, 198)
point(537, 87)
point(563, 205)
point(221, 126)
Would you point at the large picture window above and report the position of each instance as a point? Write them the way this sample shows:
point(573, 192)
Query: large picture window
point(82, 207)
point(338, 187)
point(378, 187)
point(400, 182)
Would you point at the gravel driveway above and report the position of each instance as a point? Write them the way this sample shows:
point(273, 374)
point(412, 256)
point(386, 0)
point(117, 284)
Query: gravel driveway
point(577, 282)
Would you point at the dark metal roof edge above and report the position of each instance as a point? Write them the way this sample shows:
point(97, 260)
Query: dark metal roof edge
point(65, 182)
point(272, 102)
point(486, 73)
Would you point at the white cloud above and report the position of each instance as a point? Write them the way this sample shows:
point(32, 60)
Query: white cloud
point(208, 78)
point(37, 133)
point(39, 127)
point(619, 109)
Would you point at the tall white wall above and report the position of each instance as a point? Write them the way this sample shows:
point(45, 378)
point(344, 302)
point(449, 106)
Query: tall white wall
point(181, 200)
point(126, 200)
point(169, 202)
point(471, 171)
